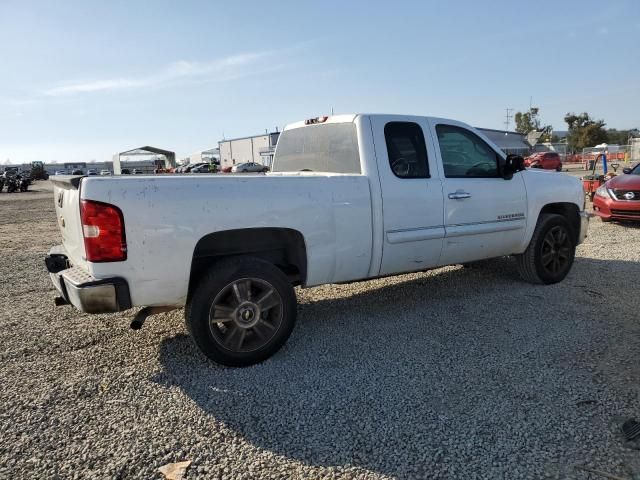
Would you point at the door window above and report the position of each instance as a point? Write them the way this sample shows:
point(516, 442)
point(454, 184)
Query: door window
point(406, 149)
point(464, 154)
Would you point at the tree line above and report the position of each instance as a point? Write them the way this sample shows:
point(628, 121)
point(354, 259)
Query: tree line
point(583, 130)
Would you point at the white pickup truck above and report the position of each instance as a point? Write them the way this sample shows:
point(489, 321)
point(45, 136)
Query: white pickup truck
point(350, 197)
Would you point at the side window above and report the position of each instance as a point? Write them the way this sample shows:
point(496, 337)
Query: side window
point(406, 149)
point(464, 154)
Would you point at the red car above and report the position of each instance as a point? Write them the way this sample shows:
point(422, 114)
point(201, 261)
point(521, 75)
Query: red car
point(545, 160)
point(619, 198)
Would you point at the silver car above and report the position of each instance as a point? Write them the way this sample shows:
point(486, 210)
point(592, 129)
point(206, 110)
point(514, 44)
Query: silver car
point(249, 167)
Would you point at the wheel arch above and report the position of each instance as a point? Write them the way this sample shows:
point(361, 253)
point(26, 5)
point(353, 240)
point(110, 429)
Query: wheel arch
point(569, 210)
point(284, 247)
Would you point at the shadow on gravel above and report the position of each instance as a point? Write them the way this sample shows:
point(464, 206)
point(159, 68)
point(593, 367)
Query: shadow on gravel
point(461, 369)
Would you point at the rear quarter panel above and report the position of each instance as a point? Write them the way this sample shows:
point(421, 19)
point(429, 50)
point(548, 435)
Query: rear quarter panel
point(165, 216)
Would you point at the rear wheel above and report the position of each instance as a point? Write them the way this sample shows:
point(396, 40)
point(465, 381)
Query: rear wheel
point(242, 311)
point(551, 252)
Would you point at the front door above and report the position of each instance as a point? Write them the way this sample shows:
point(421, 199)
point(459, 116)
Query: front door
point(485, 215)
point(411, 195)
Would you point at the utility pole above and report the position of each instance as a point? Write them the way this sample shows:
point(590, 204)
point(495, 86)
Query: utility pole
point(508, 117)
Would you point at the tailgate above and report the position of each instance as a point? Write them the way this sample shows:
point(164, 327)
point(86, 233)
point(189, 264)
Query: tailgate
point(66, 195)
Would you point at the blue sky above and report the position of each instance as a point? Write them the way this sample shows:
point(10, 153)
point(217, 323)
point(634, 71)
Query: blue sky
point(80, 80)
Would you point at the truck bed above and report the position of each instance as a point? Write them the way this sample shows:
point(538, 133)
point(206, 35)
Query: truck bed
point(166, 215)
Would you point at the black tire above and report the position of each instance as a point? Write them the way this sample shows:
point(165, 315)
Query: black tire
point(272, 325)
point(559, 168)
point(551, 251)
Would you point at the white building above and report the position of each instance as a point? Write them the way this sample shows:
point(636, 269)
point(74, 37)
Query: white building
point(211, 155)
point(257, 149)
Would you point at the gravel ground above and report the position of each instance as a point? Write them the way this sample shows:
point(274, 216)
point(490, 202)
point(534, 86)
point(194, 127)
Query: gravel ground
point(453, 373)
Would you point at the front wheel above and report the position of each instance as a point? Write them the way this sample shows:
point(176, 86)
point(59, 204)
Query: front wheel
point(242, 311)
point(551, 252)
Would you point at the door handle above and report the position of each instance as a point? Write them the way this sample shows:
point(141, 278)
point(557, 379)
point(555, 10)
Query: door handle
point(459, 195)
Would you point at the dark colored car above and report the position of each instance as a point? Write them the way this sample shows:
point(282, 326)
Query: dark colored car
point(544, 160)
point(201, 169)
point(190, 167)
point(619, 198)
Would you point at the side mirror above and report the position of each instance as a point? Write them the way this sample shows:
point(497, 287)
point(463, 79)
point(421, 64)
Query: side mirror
point(626, 170)
point(512, 164)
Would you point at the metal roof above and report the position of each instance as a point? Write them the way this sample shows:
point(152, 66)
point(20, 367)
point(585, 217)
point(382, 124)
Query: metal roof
point(506, 140)
point(146, 150)
point(248, 137)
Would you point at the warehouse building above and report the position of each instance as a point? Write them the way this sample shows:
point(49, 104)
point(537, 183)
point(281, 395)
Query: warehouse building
point(509, 142)
point(257, 149)
point(209, 156)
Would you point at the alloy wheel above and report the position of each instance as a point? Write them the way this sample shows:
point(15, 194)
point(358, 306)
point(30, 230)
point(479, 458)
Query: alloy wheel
point(245, 315)
point(556, 250)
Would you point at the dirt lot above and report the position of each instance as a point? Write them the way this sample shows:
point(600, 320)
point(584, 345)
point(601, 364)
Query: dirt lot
point(454, 373)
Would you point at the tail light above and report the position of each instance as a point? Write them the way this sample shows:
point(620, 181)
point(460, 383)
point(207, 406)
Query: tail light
point(103, 231)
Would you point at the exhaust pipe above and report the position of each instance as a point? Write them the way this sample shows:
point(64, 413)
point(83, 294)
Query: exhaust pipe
point(142, 315)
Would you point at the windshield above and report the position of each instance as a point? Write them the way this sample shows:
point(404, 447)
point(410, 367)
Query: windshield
point(636, 170)
point(330, 147)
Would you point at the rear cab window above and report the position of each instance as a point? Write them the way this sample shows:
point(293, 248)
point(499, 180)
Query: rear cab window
point(406, 150)
point(330, 147)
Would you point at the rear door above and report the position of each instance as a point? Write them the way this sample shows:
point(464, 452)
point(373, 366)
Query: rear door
point(484, 214)
point(411, 194)
point(66, 195)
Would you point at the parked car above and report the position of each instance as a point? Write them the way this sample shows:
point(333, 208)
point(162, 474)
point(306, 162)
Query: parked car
point(137, 171)
point(60, 172)
point(544, 160)
point(249, 167)
point(201, 169)
point(125, 171)
point(189, 168)
point(77, 171)
point(92, 171)
point(619, 198)
point(352, 197)
point(105, 172)
point(226, 169)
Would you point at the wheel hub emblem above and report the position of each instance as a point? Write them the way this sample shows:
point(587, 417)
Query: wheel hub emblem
point(247, 315)
point(629, 195)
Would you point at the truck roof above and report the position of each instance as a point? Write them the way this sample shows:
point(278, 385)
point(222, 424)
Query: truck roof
point(350, 117)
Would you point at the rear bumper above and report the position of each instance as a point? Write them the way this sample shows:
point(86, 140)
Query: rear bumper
point(86, 293)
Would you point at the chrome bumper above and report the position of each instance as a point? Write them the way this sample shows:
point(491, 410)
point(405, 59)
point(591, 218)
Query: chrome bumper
point(584, 225)
point(86, 293)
